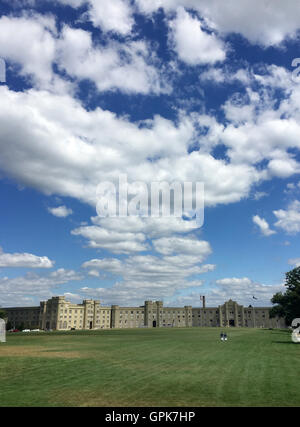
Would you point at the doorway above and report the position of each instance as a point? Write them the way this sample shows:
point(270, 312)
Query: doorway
point(154, 323)
point(231, 322)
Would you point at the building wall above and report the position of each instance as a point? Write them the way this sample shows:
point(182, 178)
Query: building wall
point(59, 314)
point(235, 315)
point(28, 317)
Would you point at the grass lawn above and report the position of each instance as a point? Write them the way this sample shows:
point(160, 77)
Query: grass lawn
point(150, 367)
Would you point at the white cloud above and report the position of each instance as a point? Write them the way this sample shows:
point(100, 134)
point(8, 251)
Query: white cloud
point(295, 262)
point(226, 75)
point(193, 45)
point(263, 225)
point(129, 67)
point(153, 269)
point(33, 45)
point(52, 143)
point(290, 186)
point(28, 41)
point(24, 260)
point(289, 220)
point(113, 265)
point(235, 281)
point(149, 276)
point(255, 131)
point(275, 76)
point(283, 168)
point(262, 136)
point(262, 22)
point(152, 227)
point(75, 298)
point(137, 293)
point(112, 15)
point(129, 235)
point(120, 243)
point(33, 287)
point(183, 245)
point(242, 291)
point(60, 211)
point(259, 195)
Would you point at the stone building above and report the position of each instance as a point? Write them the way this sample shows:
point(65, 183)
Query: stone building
point(59, 314)
point(26, 317)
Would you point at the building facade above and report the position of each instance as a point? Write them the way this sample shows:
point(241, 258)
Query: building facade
point(59, 314)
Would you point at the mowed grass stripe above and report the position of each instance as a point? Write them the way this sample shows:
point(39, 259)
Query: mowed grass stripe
point(159, 367)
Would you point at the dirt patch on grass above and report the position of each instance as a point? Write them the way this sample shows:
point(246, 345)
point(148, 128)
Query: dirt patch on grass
point(36, 351)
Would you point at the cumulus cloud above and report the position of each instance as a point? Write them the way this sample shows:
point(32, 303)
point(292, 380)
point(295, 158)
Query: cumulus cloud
point(255, 131)
point(183, 245)
point(289, 219)
point(177, 266)
point(29, 42)
point(130, 234)
point(34, 287)
point(242, 290)
point(112, 265)
point(52, 143)
point(291, 187)
point(259, 132)
point(150, 226)
point(283, 168)
point(192, 44)
point(136, 294)
point(60, 211)
point(33, 45)
point(261, 22)
point(121, 243)
point(129, 67)
point(147, 266)
point(24, 260)
point(263, 225)
point(113, 15)
point(224, 74)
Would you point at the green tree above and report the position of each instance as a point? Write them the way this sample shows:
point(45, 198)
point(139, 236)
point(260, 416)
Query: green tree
point(3, 314)
point(288, 303)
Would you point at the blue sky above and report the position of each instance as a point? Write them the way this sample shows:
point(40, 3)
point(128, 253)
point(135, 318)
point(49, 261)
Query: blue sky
point(174, 90)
